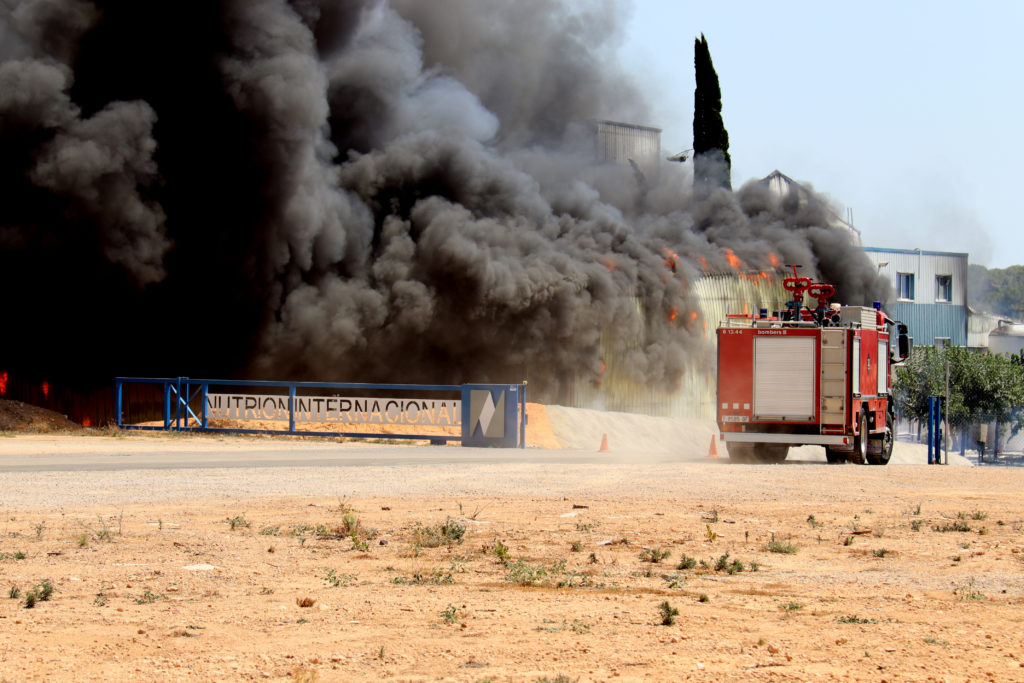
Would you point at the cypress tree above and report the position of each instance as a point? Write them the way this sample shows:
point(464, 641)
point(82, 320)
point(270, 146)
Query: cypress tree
point(712, 165)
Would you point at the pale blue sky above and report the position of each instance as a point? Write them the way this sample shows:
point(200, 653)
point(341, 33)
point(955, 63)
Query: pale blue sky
point(910, 113)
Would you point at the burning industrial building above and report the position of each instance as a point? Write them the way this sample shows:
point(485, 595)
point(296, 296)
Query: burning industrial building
point(358, 191)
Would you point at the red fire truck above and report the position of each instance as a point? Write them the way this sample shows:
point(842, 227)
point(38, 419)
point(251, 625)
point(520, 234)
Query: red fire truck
point(804, 376)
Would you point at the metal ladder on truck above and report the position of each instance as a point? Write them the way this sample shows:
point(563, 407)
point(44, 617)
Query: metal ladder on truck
point(833, 381)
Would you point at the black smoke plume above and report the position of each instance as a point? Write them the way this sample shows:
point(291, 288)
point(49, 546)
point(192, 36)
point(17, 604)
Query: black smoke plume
point(351, 191)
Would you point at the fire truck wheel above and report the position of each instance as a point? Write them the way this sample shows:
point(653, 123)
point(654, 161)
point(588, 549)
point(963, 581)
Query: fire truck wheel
point(770, 453)
point(881, 448)
point(860, 442)
point(834, 457)
point(742, 453)
point(758, 453)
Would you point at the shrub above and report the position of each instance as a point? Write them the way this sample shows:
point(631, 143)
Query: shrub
point(654, 555)
point(686, 562)
point(668, 613)
point(238, 522)
point(449, 533)
point(784, 547)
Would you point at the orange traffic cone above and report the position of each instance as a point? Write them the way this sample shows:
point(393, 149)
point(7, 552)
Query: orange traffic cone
point(713, 449)
point(604, 444)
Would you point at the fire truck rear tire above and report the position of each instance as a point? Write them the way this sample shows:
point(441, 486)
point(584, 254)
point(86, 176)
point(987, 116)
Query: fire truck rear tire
point(770, 453)
point(758, 453)
point(742, 453)
point(834, 457)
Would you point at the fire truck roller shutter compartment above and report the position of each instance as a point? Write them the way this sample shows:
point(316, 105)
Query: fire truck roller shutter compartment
point(784, 376)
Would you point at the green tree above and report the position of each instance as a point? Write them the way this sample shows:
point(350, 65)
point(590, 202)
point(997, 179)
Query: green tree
point(712, 165)
point(982, 386)
point(999, 290)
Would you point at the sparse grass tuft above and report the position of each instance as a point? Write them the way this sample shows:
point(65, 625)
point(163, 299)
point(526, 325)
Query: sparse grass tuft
point(916, 524)
point(668, 613)
point(790, 607)
point(703, 597)
point(449, 532)
point(339, 580)
point(40, 593)
point(812, 521)
point(521, 573)
point(437, 578)
point(968, 591)
point(147, 598)
point(854, 619)
point(881, 552)
point(238, 522)
point(686, 562)
point(576, 546)
point(654, 555)
point(779, 546)
point(957, 525)
point(305, 601)
point(501, 551)
point(449, 614)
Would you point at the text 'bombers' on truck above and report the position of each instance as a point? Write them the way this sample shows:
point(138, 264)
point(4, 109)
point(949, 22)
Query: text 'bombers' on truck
point(808, 377)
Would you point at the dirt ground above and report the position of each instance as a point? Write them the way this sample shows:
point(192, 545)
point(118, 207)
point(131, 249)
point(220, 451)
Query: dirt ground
point(778, 573)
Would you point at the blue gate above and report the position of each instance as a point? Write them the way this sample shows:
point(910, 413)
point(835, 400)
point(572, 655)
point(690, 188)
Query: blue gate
point(490, 415)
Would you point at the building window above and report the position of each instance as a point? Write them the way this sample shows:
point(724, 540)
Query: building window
point(905, 281)
point(941, 342)
point(943, 288)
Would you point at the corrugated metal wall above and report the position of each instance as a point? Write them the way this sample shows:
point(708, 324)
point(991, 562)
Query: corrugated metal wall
point(925, 266)
point(620, 142)
point(928, 322)
point(928, 318)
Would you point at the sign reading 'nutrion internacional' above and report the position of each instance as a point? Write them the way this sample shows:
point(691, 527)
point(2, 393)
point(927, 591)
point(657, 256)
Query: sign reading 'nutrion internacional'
point(407, 411)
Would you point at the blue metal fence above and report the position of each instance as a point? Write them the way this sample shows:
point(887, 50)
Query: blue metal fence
point(179, 414)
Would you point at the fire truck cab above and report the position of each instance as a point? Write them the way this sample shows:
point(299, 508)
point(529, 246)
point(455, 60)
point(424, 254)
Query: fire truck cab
point(805, 376)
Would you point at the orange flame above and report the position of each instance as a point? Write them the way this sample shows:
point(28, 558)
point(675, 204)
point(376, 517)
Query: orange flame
point(746, 310)
point(673, 313)
point(671, 258)
point(86, 422)
point(774, 260)
point(693, 315)
point(46, 389)
point(703, 263)
point(733, 259)
point(3, 383)
point(608, 263)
